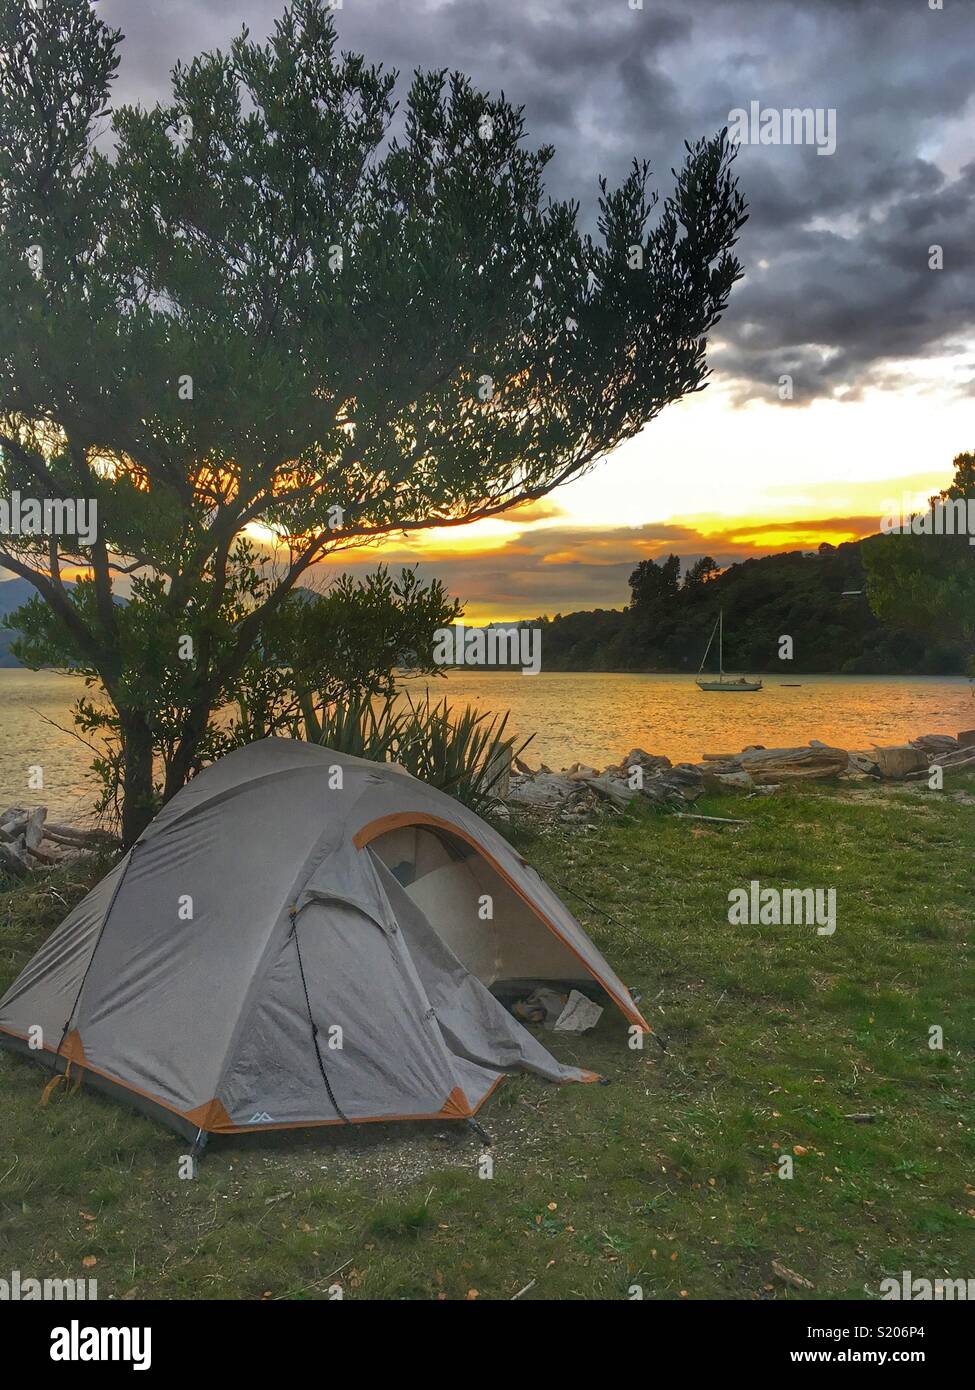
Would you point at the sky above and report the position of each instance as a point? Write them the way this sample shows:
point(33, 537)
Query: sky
point(838, 291)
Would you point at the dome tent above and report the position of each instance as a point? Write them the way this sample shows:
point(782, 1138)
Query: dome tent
point(303, 938)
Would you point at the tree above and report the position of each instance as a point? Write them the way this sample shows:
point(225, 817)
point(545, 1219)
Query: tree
point(261, 311)
point(701, 572)
point(795, 592)
point(652, 583)
point(922, 578)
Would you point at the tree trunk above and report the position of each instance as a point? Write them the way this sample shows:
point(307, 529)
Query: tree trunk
point(180, 764)
point(137, 786)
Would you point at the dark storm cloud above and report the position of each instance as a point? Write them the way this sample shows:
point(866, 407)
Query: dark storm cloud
point(838, 289)
point(862, 300)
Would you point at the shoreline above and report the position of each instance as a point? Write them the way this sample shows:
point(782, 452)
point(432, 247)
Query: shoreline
point(691, 676)
point(575, 792)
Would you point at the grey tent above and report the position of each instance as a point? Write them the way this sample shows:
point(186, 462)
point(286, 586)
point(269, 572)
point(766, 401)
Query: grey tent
point(304, 938)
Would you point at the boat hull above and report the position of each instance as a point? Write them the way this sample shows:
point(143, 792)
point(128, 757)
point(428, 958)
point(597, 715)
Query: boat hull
point(730, 687)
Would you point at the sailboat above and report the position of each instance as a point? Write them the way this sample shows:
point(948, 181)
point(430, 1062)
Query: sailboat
point(740, 684)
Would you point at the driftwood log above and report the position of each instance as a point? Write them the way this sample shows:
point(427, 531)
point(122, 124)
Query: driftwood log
point(613, 789)
point(949, 762)
point(498, 773)
point(85, 839)
point(773, 765)
point(34, 828)
point(935, 743)
point(899, 760)
point(13, 861)
point(28, 842)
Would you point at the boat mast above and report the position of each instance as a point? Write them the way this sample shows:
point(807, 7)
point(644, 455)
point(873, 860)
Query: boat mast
point(708, 648)
point(720, 641)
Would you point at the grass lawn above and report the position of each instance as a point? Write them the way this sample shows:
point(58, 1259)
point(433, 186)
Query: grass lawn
point(668, 1177)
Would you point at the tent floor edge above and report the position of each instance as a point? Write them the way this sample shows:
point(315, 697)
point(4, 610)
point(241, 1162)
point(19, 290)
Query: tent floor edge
point(97, 1081)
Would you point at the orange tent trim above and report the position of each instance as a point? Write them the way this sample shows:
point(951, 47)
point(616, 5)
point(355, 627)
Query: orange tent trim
point(212, 1116)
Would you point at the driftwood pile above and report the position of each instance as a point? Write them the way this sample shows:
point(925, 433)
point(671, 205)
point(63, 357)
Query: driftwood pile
point(951, 755)
point(575, 792)
point(29, 841)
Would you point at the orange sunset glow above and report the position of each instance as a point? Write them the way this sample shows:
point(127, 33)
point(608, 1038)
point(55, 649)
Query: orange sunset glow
point(709, 476)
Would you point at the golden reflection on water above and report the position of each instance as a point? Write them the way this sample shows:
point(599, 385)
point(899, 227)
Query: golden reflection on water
point(596, 718)
point(591, 718)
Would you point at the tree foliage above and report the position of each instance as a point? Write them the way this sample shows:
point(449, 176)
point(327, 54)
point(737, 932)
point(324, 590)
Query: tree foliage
point(262, 309)
point(817, 599)
point(652, 584)
point(343, 645)
point(925, 583)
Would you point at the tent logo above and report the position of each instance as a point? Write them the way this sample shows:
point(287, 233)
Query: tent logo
point(261, 1118)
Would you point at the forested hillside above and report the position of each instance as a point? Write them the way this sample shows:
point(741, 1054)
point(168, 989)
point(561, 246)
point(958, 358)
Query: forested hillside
point(669, 620)
point(800, 595)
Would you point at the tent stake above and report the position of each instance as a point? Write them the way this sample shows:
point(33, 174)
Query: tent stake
point(480, 1131)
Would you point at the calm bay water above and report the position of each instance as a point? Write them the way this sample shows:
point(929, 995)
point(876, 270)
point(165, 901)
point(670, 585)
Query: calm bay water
point(597, 719)
point(591, 717)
